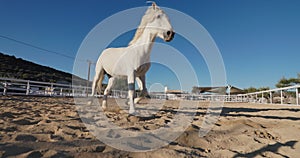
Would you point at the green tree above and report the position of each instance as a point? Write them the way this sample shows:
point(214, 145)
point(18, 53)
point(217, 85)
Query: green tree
point(250, 90)
point(283, 82)
point(253, 89)
point(263, 88)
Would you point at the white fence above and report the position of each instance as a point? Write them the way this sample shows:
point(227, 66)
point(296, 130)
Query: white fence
point(8, 86)
point(285, 95)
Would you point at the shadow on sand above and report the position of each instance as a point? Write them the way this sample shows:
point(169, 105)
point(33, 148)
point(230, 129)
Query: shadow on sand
point(244, 112)
point(269, 148)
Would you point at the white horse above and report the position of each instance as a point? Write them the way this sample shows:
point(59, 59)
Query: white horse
point(133, 61)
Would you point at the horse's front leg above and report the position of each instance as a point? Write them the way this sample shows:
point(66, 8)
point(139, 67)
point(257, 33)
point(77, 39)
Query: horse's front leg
point(131, 91)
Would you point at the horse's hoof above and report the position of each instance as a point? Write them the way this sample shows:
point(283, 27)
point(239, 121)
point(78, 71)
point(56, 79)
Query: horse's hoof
point(132, 112)
point(137, 100)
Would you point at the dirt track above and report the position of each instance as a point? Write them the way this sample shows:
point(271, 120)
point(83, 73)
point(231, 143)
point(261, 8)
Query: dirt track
point(39, 126)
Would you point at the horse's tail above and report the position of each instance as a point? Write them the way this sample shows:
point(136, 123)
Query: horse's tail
point(97, 82)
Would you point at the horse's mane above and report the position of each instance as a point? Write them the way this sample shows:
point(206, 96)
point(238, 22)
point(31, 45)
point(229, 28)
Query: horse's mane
point(146, 18)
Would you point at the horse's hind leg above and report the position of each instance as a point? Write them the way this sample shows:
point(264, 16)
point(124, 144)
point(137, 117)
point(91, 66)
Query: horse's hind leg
point(99, 76)
point(142, 87)
point(106, 91)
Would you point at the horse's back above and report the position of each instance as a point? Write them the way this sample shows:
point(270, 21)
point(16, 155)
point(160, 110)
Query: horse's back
point(111, 60)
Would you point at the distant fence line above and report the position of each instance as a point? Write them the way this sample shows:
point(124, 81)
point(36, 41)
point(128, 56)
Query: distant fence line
point(285, 95)
point(12, 86)
point(9, 86)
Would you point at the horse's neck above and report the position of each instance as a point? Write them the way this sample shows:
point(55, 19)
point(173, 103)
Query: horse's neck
point(145, 41)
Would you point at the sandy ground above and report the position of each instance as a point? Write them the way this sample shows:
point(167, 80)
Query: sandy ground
point(51, 127)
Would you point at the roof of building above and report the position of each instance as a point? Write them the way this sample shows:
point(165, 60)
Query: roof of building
point(175, 92)
point(221, 90)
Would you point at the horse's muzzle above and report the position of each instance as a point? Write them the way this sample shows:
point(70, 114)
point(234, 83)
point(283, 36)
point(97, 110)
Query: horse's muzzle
point(169, 35)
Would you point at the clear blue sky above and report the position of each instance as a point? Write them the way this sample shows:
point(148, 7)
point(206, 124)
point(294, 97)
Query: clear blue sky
point(258, 39)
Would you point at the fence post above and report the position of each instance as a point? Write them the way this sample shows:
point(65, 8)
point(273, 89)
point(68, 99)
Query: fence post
point(271, 98)
point(297, 96)
point(281, 97)
point(5, 88)
point(61, 92)
point(51, 90)
point(256, 97)
point(28, 88)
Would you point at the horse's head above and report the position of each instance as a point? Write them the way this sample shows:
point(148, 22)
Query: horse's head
point(159, 23)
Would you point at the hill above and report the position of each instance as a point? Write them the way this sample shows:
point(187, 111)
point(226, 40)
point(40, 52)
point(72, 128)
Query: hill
point(12, 67)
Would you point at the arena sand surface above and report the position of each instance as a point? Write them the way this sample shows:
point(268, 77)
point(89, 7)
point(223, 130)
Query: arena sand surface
point(51, 127)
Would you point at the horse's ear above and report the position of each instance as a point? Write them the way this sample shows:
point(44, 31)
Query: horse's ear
point(154, 5)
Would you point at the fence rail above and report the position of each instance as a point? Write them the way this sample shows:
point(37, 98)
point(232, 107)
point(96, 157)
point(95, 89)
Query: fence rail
point(9, 86)
point(285, 95)
point(26, 87)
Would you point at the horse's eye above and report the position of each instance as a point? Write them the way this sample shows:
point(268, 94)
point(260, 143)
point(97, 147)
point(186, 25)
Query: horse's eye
point(158, 16)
